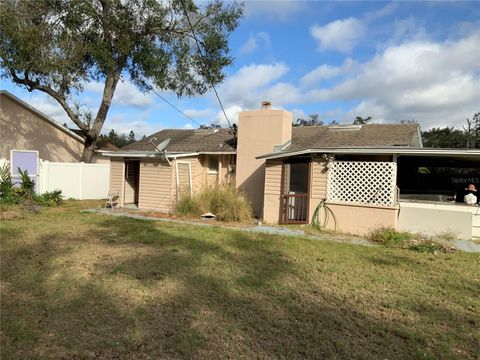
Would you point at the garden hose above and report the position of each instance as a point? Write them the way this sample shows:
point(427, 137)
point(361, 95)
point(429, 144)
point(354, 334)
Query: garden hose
point(320, 222)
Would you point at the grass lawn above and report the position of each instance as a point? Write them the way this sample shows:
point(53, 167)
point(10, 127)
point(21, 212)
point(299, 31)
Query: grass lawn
point(77, 285)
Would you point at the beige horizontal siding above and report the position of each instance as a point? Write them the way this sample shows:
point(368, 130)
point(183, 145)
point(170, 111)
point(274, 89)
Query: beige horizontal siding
point(116, 176)
point(155, 189)
point(319, 179)
point(273, 177)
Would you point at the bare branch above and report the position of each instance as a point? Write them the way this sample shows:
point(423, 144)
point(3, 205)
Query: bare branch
point(35, 85)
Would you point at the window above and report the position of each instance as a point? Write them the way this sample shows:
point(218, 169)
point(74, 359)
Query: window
point(212, 164)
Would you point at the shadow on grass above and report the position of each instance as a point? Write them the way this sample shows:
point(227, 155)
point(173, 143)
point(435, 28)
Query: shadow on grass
point(190, 293)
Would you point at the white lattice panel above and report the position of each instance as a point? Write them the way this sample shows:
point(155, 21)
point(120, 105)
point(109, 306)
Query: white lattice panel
point(362, 182)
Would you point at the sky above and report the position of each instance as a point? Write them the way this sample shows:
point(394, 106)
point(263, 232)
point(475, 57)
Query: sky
point(392, 61)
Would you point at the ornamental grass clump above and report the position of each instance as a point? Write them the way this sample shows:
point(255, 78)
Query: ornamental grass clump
point(224, 201)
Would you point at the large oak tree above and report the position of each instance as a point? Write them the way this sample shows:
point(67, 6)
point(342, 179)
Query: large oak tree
point(57, 46)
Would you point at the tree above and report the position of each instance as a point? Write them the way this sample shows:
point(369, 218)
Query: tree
point(471, 131)
point(131, 137)
point(362, 121)
point(211, 126)
point(313, 119)
point(57, 46)
point(447, 137)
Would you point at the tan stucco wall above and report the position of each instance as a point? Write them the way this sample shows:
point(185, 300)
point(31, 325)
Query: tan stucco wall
point(361, 219)
point(21, 129)
point(258, 132)
point(431, 218)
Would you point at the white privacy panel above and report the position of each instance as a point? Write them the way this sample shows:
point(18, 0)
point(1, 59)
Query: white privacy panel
point(362, 182)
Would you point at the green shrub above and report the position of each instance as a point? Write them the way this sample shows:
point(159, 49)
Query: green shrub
point(389, 236)
point(7, 191)
point(27, 185)
point(24, 194)
point(49, 198)
point(224, 201)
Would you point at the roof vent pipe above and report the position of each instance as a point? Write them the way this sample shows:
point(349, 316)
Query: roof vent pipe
point(266, 105)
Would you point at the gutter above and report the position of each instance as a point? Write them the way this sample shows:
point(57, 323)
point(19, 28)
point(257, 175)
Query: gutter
point(381, 151)
point(163, 154)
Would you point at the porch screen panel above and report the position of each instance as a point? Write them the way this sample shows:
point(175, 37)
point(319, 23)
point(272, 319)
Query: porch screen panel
point(362, 182)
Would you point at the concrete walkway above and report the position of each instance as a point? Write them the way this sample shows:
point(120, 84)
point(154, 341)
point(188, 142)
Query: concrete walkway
point(263, 229)
point(463, 245)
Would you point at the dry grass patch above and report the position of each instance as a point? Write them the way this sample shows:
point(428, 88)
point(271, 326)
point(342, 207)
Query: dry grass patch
point(79, 285)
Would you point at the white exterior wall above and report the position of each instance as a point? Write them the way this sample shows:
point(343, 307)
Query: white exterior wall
point(431, 218)
point(76, 180)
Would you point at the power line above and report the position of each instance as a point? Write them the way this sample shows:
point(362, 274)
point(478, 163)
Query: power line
point(201, 54)
point(176, 108)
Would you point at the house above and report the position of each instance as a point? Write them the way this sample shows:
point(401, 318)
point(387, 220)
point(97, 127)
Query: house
point(152, 178)
point(22, 127)
point(368, 175)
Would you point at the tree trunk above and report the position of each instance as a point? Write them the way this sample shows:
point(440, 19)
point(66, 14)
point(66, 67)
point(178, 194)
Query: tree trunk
point(88, 150)
point(92, 135)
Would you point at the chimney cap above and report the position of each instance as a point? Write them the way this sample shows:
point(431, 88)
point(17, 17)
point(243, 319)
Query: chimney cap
point(266, 105)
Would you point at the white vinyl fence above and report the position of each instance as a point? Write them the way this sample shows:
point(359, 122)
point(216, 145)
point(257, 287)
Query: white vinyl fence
point(76, 180)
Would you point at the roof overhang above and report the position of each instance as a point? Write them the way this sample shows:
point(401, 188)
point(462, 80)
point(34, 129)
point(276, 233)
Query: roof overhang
point(399, 151)
point(162, 154)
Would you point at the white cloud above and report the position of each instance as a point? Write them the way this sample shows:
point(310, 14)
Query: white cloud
point(126, 94)
point(298, 114)
point(249, 86)
point(387, 10)
point(341, 35)
point(325, 72)
point(433, 83)
point(254, 41)
point(199, 113)
point(124, 123)
point(232, 115)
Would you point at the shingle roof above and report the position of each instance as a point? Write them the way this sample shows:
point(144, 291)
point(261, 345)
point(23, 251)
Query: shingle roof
point(310, 137)
point(303, 137)
point(181, 140)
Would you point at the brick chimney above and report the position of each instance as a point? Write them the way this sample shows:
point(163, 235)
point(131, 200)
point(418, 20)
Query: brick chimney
point(259, 131)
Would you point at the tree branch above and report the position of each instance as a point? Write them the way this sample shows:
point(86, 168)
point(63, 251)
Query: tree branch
point(35, 85)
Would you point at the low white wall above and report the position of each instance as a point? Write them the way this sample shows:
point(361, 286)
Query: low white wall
point(76, 180)
point(431, 218)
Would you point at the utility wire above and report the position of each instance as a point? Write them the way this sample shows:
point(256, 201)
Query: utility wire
point(201, 54)
point(176, 108)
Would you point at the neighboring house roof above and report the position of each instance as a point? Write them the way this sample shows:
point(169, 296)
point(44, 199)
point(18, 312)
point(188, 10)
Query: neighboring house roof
point(182, 141)
point(42, 115)
point(308, 137)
